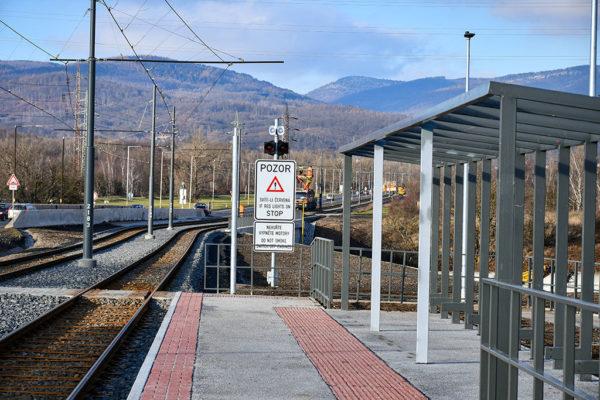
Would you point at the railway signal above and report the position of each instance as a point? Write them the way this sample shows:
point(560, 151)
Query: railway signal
point(280, 148)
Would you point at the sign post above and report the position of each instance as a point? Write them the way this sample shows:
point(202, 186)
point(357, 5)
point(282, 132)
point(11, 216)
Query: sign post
point(13, 185)
point(274, 208)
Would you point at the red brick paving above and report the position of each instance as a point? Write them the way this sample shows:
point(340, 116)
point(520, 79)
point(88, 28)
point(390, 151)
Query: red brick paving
point(347, 366)
point(171, 374)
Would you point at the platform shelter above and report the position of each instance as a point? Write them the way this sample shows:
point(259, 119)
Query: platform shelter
point(491, 129)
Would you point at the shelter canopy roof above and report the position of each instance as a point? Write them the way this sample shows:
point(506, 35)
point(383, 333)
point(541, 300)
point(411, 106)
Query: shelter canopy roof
point(467, 127)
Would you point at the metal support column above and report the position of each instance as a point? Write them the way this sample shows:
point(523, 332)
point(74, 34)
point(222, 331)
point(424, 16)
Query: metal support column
point(499, 316)
point(88, 223)
point(562, 244)
point(588, 243)
point(457, 245)
point(446, 236)
point(539, 214)
point(484, 255)
point(346, 204)
point(470, 243)
point(425, 227)
point(376, 240)
point(484, 234)
point(150, 233)
point(435, 237)
point(514, 342)
point(172, 174)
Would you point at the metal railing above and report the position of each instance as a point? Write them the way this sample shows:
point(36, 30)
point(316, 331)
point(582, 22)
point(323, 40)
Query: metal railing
point(321, 278)
point(252, 267)
point(493, 358)
point(398, 274)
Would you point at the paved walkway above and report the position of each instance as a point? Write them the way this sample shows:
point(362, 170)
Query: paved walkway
point(352, 370)
point(171, 374)
point(253, 347)
point(246, 351)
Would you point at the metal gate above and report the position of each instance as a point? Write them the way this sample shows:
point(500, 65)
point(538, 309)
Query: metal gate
point(321, 280)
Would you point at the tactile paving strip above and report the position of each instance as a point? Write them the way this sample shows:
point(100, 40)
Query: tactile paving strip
point(171, 374)
point(347, 366)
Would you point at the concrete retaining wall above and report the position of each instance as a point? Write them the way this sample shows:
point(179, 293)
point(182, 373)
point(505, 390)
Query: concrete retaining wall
point(61, 217)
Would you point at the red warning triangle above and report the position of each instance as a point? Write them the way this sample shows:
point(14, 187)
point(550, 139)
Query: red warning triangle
point(275, 186)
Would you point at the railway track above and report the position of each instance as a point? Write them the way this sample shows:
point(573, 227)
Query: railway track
point(59, 354)
point(31, 262)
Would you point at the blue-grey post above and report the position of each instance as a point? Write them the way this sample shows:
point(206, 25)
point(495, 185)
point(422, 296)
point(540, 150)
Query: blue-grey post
point(346, 204)
point(235, 201)
point(171, 173)
point(150, 234)
point(593, 48)
point(88, 224)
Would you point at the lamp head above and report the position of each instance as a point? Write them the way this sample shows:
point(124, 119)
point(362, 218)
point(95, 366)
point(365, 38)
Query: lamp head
point(469, 35)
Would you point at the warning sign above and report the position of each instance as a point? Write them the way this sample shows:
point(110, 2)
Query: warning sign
point(275, 191)
point(275, 186)
point(13, 183)
point(275, 237)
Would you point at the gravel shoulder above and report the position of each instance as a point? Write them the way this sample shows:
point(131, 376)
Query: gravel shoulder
point(19, 309)
point(71, 275)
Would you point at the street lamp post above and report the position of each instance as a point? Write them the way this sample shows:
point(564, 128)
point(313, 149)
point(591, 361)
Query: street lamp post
point(468, 35)
point(593, 48)
point(127, 176)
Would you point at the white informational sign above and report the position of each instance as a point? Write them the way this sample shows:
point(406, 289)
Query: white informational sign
point(182, 196)
point(274, 237)
point(275, 191)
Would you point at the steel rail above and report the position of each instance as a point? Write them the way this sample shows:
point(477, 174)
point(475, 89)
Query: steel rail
point(95, 370)
point(73, 251)
point(84, 384)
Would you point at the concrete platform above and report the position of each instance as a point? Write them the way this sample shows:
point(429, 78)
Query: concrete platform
point(260, 347)
point(453, 369)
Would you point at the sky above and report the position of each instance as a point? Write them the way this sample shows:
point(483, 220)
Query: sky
point(320, 41)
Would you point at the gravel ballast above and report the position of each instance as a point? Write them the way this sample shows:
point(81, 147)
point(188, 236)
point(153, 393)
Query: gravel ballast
point(71, 275)
point(116, 380)
point(190, 277)
point(18, 309)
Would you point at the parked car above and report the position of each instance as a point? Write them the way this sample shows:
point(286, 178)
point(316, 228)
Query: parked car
point(202, 206)
point(137, 206)
point(13, 211)
point(329, 196)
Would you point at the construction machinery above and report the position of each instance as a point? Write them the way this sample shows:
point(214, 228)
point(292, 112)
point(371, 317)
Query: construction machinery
point(305, 194)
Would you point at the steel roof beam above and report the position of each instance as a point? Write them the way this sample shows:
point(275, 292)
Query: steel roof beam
point(557, 110)
point(446, 144)
point(525, 132)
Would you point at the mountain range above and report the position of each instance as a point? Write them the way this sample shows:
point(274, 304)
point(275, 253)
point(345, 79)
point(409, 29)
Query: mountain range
point(410, 96)
point(208, 98)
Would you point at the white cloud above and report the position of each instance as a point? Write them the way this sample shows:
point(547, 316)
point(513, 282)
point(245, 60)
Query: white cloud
point(543, 13)
point(313, 54)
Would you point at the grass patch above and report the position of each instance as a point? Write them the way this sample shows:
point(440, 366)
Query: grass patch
point(9, 238)
point(221, 202)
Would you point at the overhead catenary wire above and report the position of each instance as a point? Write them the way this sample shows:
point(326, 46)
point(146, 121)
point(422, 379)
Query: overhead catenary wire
point(205, 95)
point(146, 70)
point(67, 82)
point(35, 106)
point(28, 40)
point(192, 31)
point(174, 33)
